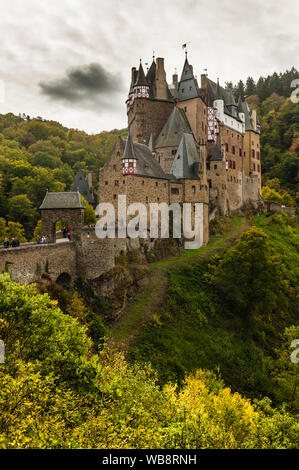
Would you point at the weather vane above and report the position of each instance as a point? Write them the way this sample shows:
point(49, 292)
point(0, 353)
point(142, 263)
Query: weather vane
point(184, 46)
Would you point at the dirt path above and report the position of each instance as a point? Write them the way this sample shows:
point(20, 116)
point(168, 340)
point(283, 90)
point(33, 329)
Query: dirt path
point(138, 312)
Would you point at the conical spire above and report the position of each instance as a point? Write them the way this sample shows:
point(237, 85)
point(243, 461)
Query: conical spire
point(129, 148)
point(141, 80)
point(187, 72)
point(151, 74)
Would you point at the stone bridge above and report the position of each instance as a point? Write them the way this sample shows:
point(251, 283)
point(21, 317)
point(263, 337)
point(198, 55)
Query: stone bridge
point(88, 257)
point(84, 256)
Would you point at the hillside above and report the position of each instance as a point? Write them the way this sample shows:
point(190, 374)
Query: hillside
point(36, 155)
point(57, 391)
point(205, 321)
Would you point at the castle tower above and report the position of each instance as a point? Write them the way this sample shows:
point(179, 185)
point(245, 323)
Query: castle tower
point(149, 103)
point(129, 159)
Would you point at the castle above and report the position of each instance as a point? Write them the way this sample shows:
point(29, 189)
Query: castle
point(186, 143)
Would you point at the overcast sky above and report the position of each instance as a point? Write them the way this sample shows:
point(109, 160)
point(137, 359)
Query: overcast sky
point(70, 60)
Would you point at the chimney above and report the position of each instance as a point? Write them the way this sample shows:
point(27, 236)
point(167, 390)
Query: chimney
point(253, 114)
point(89, 180)
point(175, 79)
point(133, 74)
point(203, 81)
point(160, 80)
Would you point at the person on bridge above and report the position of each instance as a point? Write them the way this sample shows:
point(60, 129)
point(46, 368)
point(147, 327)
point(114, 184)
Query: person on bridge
point(15, 243)
point(44, 240)
point(6, 243)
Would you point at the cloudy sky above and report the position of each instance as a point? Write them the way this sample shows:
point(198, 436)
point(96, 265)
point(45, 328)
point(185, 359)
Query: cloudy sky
point(70, 60)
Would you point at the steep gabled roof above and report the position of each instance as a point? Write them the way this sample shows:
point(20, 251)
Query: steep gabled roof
point(146, 164)
point(216, 154)
point(186, 160)
point(81, 185)
point(171, 133)
point(71, 200)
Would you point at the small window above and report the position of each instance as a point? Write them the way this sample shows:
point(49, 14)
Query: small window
point(124, 181)
point(106, 183)
point(142, 182)
point(215, 167)
point(156, 183)
point(175, 191)
point(146, 198)
point(114, 196)
point(193, 189)
point(114, 167)
point(116, 183)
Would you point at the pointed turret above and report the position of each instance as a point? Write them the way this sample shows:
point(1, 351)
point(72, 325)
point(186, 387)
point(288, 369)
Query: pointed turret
point(141, 86)
point(187, 72)
point(188, 86)
point(141, 80)
point(129, 158)
point(151, 77)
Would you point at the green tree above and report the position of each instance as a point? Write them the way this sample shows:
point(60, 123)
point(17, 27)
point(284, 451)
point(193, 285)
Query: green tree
point(246, 275)
point(90, 217)
point(20, 209)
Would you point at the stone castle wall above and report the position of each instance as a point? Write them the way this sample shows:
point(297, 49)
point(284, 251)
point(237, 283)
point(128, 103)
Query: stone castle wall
point(29, 263)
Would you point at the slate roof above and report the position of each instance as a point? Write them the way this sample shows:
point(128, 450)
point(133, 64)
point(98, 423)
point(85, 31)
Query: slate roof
point(129, 149)
point(186, 161)
point(141, 80)
point(216, 154)
point(244, 108)
point(150, 78)
point(146, 165)
point(216, 91)
point(171, 133)
point(188, 86)
point(71, 200)
point(81, 185)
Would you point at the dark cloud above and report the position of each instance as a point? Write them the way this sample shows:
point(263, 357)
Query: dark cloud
point(87, 85)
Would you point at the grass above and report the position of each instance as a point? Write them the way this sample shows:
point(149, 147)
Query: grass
point(193, 328)
point(141, 309)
